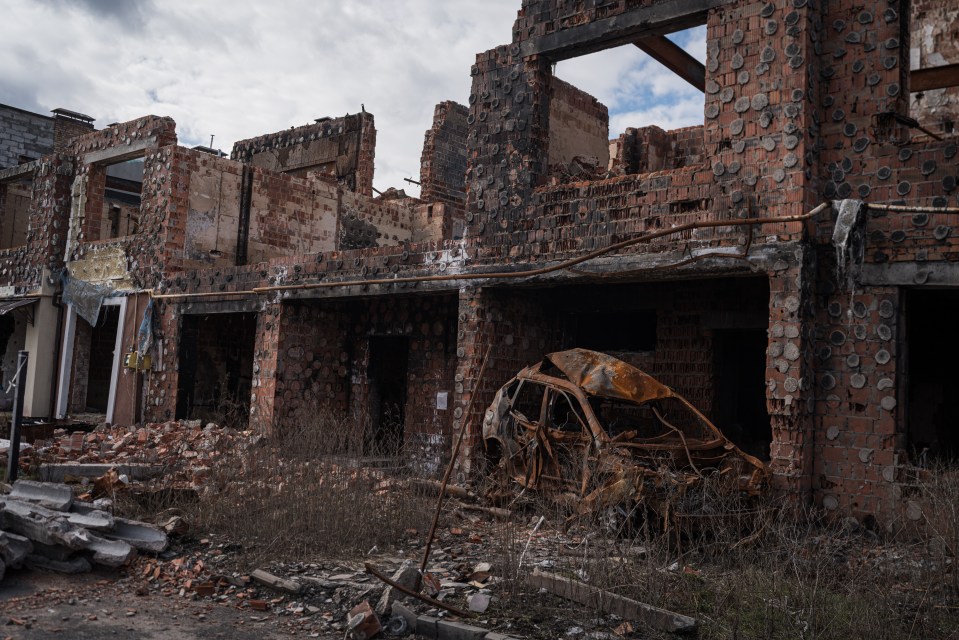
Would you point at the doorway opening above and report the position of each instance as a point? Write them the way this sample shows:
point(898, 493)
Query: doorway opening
point(216, 368)
point(387, 376)
point(739, 387)
point(103, 343)
point(932, 416)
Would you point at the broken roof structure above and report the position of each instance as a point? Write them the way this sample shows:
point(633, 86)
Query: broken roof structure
point(272, 286)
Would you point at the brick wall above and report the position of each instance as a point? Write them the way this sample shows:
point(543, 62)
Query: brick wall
point(934, 42)
point(443, 163)
point(578, 125)
point(343, 147)
point(66, 130)
point(23, 134)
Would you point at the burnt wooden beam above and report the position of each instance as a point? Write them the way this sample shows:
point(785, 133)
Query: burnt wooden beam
point(934, 78)
point(673, 57)
point(666, 16)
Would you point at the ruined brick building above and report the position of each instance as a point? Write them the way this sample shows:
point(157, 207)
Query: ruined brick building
point(275, 283)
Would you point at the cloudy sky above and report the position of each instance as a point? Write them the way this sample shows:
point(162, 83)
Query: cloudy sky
point(240, 68)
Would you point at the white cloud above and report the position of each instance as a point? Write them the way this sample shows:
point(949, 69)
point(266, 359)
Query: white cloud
point(238, 68)
point(638, 90)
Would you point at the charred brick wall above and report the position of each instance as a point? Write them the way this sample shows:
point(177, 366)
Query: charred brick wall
point(342, 147)
point(934, 42)
point(578, 125)
point(650, 149)
point(323, 359)
point(443, 163)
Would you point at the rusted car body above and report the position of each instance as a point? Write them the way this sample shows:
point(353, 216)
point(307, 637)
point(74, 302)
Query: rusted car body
point(593, 432)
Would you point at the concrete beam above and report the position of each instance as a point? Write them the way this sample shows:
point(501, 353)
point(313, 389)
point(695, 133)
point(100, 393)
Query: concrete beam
point(657, 19)
point(934, 78)
point(120, 153)
point(673, 57)
point(909, 274)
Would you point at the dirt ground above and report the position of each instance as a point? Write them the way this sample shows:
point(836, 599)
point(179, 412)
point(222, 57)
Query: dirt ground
point(37, 605)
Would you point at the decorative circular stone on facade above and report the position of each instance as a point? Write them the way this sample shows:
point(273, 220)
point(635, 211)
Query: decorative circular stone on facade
point(737, 61)
point(864, 191)
point(891, 43)
point(837, 337)
point(849, 129)
point(791, 351)
point(739, 146)
point(882, 356)
point(888, 403)
point(790, 142)
point(738, 36)
point(712, 87)
point(791, 385)
point(726, 95)
point(775, 349)
point(779, 175)
point(760, 101)
point(886, 309)
point(928, 167)
point(941, 232)
point(884, 383)
point(769, 144)
point(858, 66)
point(948, 183)
point(857, 381)
point(771, 27)
point(838, 115)
point(825, 352)
point(736, 126)
point(950, 151)
point(920, 219)
point(834, 309)
point(860, 144)
point(903, 187)
point(719, 169)
point(884, 332)
point(734, 167)
point(852, 360)
point(765, 119)
point(844, 190)
point(792, 331)
point(904, 154)
point(777, 331)
point(790, 160)
point(712, 110)
point(768, 55)
point(827, 382)
point(741, 105)
point(830, 503)
point(884, 173)
point(767, 10)
point(859, 309)
point(742, 77)
point(737, 196)
point(890, 62)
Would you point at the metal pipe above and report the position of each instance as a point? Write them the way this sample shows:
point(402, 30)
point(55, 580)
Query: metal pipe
point(13, 456)
point(425, 598)
point(905, 208)
point(504, 275)
point(449, 468)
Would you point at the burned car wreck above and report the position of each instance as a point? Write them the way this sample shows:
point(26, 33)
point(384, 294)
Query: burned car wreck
point(595, 434)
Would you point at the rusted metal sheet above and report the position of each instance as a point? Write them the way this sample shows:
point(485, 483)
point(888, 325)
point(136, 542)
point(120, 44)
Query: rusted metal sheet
point(594, 433)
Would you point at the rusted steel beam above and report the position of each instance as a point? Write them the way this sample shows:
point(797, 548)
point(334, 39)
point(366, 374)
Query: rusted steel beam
point(934, 78)
point(675, 58)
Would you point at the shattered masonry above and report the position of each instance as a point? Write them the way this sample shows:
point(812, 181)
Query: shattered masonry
point(270, 271)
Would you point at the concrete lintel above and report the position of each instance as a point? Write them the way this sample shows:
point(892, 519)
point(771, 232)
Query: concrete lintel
point(120, 153)
point(910, 274)
point(657, 19)
point(252, 304)
point(19, 171)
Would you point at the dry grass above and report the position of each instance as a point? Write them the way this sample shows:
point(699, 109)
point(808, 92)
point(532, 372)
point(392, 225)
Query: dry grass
point(309, 493)
point(774, 571)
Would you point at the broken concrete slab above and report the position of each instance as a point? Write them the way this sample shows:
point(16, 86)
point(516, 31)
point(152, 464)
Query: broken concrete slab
point(78, 564)
point(142, 536)
point(478, 602)
point(110, 553)
point(91, 519)
point(58, 497)
point(407, 576)
point(60, 472)
point(280, 584)
point(452, 630)
point(53, 551)
point(40, 524)
point(14, 549)
point(608, 602)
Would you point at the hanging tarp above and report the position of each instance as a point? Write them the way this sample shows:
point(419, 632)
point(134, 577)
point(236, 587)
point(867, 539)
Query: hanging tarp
point(145, 333)
point(86, 298)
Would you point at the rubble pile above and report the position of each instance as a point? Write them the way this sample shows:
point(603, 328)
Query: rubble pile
point(43, 526)
point(182, 452)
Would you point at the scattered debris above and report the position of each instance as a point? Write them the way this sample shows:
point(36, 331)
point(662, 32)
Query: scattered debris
point(280, 584)
point(601, 600)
